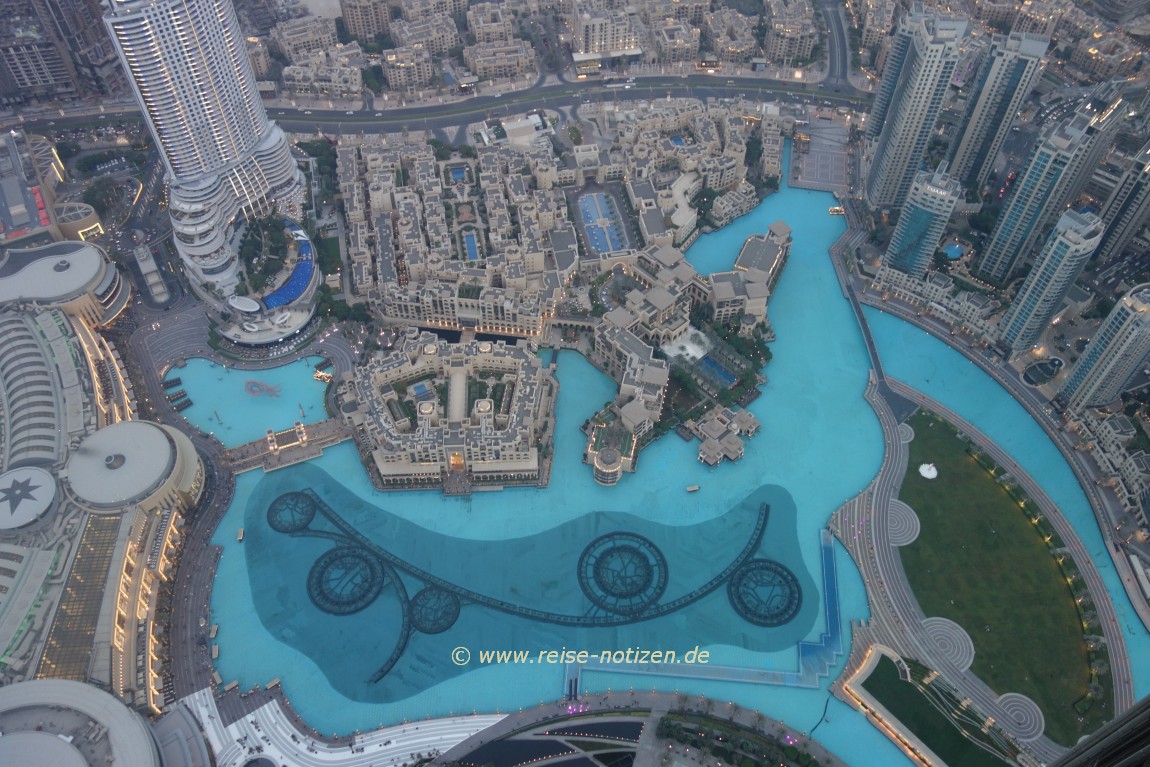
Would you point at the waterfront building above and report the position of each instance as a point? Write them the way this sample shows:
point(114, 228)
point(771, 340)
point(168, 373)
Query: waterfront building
point(923, 219)
point(1003, 84)
point(1073, 241)
point(436, 414)
point(924, 52)
point(1059, 167)
point(189, 69)
point(1116, 352)
point(1127, 209)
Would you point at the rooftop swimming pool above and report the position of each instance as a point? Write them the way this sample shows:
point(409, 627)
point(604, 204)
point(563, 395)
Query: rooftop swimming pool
point(383, 588)
point(952, 250)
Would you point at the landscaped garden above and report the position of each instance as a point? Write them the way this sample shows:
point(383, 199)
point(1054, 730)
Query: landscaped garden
point(986, 560)
point(919, 711)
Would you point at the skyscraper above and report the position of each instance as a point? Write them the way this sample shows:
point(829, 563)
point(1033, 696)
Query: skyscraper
point(1074, 239)
point(1122, 742)
point(1003, 83)
point(189, 69)
point(1059, 166)
point(1127, 208)
point(915, 78)
point(923, 219)
point(1114, 354)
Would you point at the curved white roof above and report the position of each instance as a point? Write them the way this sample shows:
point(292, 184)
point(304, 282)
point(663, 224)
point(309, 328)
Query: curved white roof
point(121, 464)
point(128, 734)
point(25, 494)
point(53, 273)
point(39, 749)
point(244, 304)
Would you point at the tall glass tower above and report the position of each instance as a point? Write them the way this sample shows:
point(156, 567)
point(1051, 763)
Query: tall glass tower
point(1073, 241)
point(1127, 208)
point(1004, 82)
point(1119, 347)
point(923, 219)
point(188, 66)
point(1059, 167)
point(917, 73)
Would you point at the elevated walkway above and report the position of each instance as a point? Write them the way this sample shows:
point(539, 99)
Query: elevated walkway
point(308, 441)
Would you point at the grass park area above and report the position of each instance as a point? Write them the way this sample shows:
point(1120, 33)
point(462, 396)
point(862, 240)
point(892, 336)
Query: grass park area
point(981, 562)
point(921, 715)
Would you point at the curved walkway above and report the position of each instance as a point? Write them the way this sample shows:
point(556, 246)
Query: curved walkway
point(897, 621)
point(160, 340)
point(1104, 505)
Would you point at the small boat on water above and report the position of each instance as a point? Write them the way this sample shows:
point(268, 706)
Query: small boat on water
point(692, 488)
point(240, 536)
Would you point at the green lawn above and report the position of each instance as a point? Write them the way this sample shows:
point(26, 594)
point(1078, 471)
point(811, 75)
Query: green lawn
point(980, 562)
point(934, 728)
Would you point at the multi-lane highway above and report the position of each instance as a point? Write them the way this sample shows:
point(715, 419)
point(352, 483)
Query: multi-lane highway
point(451, 114)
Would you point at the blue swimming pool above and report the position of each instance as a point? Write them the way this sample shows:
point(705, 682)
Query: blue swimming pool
point(472, 246)
point(953, 251)
point(714, 370)
point(301, 274)
point(678, 141)
point(458, 174)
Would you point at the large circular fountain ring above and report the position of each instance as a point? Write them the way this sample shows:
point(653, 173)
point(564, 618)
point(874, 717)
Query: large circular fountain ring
point(434, 610)
point(345, 580)
point(622, 573)
point(291, 512)
point(765, 593)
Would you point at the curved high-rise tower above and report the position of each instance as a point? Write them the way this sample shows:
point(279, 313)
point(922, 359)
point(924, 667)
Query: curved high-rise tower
point(188, 66)
point(1119, 347)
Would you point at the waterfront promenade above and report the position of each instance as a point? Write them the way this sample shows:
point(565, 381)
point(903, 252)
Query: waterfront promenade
point(872, 526)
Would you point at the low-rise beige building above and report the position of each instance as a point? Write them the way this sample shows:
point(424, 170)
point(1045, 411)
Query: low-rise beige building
point(500, 61)
point(408, 68)
point(299, 38)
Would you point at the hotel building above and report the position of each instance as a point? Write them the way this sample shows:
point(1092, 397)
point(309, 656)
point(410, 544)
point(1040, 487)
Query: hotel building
point(189, 69)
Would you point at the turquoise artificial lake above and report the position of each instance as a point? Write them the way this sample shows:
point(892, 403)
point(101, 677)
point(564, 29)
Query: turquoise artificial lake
point(820, 444)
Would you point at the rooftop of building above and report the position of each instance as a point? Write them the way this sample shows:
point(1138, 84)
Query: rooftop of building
point(121, 464)
point(53, 273)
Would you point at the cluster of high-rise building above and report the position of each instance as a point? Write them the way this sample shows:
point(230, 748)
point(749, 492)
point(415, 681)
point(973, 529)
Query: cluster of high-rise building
point(1037, 234)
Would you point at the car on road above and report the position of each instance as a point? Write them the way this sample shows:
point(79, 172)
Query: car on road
point(379, 114)
point(308, 112)
point(349, 112)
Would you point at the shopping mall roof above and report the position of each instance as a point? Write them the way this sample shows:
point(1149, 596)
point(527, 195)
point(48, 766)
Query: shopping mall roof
point(50, 723)
point(51, 273)
point(121, 464)
point(26, 494)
